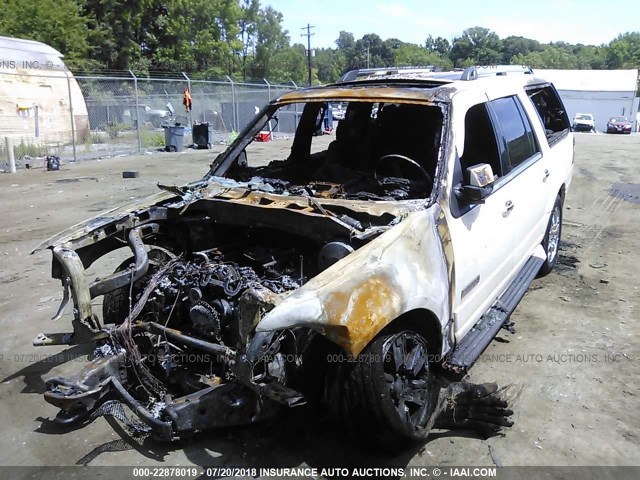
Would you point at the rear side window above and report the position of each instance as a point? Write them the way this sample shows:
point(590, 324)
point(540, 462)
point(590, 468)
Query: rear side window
point(516, 132)
point(551, 112)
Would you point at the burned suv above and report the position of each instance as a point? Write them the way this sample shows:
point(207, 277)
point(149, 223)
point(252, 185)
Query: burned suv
point(355, 275)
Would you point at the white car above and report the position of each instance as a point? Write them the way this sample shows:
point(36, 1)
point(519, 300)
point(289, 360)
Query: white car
point(352, 274)
point(583, 122)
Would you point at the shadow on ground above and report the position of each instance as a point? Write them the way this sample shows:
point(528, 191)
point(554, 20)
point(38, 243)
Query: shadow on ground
point(302, 436)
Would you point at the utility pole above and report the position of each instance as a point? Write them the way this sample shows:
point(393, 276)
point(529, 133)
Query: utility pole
point(308, 35)
point(368, 56)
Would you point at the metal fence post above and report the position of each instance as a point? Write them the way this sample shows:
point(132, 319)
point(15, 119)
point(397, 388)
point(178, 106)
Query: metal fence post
point(295, 105)
point(189, 117)
point(10, 155)
point(73, 123)
point(135, 88)
point(268, 87)
point(234, 108)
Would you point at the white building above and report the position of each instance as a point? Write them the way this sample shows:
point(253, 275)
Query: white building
point(39, 97)
point(603, 93)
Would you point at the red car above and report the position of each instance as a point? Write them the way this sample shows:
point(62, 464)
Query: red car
point(618, 125)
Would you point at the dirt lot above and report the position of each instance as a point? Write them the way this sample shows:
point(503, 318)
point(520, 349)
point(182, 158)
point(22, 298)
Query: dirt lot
point(576, 351)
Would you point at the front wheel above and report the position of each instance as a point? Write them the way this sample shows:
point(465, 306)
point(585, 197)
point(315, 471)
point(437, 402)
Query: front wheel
point(551, 240)
point(389, 393)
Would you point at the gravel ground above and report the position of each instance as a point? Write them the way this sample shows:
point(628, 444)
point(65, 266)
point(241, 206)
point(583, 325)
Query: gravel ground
point(575, 354)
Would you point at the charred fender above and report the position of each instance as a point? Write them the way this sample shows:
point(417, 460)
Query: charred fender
point(354, 299)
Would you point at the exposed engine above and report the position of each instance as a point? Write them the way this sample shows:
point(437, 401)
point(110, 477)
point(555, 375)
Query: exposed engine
point(202, 294)
point(201, 298)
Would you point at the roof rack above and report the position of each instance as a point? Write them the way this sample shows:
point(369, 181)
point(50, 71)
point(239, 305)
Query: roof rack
point(473, 73)
point(352, 75)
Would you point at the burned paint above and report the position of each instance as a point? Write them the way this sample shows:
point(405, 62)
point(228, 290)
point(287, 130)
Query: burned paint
point(363, 311)
point(379, 94)
point(354, 299)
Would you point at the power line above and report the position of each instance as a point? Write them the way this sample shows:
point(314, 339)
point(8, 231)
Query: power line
point(308, 35)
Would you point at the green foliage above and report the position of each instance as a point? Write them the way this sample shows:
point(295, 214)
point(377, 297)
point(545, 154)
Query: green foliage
point(151, 138)
point(438, 45)
point(30, 149)
point(330, 64)
point(477, 43)
point(246, 40)
point(114, 129)
point(514, 45)
point(409, 54)
point(624, 51)
point(59, 23)
point(89, 139)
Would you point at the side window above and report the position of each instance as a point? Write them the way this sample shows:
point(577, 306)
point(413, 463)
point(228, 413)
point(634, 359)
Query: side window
point(517, 133)
point(551, 112)
point(480, 140)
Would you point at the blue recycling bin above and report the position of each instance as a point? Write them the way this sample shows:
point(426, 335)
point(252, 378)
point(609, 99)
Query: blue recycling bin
point(173, 138)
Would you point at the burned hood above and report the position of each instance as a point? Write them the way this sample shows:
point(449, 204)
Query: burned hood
point(110, 217)
point(354, 218)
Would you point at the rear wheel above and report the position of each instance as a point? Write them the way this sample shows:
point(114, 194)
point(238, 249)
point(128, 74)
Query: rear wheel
point(389, 393)
point(551, 240)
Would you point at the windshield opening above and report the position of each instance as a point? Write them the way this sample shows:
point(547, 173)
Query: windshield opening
point(368, 151)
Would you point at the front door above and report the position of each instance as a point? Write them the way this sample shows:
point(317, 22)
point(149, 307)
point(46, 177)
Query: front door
point(491, 240)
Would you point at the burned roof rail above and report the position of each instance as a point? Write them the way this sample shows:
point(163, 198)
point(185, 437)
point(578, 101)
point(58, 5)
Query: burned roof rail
point(477, 71)
point(357, 73)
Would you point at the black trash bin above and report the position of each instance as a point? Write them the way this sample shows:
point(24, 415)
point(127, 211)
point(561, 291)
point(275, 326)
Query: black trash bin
point(173, 138)
point(202, 135)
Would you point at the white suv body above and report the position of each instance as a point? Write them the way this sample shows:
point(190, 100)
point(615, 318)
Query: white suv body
point(467, 256)
point(404, 244)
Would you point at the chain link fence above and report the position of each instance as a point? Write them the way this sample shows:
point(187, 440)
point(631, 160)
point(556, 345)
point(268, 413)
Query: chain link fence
point(91, 116)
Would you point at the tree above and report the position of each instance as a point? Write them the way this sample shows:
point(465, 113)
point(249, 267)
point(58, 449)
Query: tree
point(477, 44)
point(290, 63)
point(438, 45)
point(515, 45)
point(590, 57)
point(551, 57)
point(270, 38)
point(624, 51)
point(409, 54)
point(125, 34)
point(330, 64)
point(346, 44)
point(372, 51)
point(60, 24)
point(345, 41)
point(248, 30)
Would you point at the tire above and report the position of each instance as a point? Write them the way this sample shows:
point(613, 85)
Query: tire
point(389, 393)
point(551, 240)
point(115, 304)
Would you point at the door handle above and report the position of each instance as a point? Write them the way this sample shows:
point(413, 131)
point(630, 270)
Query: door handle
point(546, 175)
point(508, 206)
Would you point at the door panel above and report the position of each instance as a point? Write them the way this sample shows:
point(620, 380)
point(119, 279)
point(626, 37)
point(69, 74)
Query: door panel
point(491, 241)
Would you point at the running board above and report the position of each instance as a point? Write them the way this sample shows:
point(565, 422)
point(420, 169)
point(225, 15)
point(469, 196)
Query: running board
point(480, 336)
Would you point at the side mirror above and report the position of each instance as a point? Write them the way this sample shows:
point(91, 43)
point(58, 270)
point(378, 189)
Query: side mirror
point(479, 184)
point(470, 194)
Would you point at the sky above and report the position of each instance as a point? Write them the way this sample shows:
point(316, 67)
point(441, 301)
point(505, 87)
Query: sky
point(574, 21)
